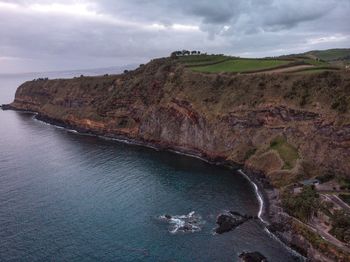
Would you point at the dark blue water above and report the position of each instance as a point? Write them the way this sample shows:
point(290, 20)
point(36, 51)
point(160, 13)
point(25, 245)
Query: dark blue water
point(70, 197)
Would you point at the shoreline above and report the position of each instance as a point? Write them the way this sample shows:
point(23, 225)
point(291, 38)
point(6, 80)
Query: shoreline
point(260, 192)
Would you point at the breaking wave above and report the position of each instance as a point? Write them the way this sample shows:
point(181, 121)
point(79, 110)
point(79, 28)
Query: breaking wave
point(191, 222)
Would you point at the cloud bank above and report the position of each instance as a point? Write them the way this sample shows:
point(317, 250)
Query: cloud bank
point(41, 35)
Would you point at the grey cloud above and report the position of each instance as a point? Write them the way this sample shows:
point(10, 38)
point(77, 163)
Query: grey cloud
point(248, 27)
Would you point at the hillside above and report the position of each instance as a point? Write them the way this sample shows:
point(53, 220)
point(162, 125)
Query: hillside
point(286, 126)
point(331, 54)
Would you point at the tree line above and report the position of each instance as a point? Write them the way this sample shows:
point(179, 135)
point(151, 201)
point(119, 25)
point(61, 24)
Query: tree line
point(184, 53)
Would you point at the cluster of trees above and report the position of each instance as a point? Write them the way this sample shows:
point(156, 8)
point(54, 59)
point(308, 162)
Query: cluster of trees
point(184, 53)
point(41, 79)
point(303, 205)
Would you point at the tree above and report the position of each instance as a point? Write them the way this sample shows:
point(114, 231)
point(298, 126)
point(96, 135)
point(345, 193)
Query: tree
point(177, 53)
point(303, 205)
point(174, 54)
point(186, 52)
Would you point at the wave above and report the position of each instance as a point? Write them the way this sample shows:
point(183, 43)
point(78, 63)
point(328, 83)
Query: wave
point(258, 195)
point(191, 223)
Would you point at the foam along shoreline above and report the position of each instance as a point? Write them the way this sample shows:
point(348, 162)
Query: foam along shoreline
point(260, 198)
point(258, 195)
point(263, 210)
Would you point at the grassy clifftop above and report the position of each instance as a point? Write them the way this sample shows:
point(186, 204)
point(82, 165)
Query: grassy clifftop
point(310, 62)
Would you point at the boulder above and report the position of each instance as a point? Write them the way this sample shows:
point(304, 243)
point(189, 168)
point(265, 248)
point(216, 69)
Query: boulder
point(252, 257)
point(230, 221)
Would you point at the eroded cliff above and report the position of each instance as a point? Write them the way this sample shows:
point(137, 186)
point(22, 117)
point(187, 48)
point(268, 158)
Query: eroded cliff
point(288, 126)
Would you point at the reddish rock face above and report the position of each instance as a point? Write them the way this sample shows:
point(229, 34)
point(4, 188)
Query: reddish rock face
point(226, 117)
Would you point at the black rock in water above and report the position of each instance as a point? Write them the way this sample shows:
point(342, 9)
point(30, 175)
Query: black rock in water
point(6, 107)
point(230, 221)
point(252, 257)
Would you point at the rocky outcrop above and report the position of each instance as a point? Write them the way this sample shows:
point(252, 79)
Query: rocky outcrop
point(229, 221)
point(252, 257)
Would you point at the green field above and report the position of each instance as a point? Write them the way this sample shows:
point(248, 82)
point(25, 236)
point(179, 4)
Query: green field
point(315, 62)
point(240, 65)
point(228, 64)
point(198, 60)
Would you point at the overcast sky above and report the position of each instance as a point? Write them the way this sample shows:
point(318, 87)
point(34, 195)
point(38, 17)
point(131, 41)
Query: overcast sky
point(44, 35)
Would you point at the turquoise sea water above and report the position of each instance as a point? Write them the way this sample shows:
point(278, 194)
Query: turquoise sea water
point(71, 197)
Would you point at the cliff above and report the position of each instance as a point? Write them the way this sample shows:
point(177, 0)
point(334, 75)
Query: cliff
point(287, 126)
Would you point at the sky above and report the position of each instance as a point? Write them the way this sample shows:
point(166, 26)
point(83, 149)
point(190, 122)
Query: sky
point(47, 35)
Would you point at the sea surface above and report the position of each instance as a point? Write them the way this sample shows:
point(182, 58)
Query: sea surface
point(71, 197)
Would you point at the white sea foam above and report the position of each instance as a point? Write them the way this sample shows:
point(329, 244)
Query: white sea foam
point(191, 222)
point(260, 213)
point(258, 195)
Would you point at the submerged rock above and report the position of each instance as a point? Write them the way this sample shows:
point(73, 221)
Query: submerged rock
point(230, 221)
point(252, 257)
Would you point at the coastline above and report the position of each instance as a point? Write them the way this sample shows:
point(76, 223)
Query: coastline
point(256, 180)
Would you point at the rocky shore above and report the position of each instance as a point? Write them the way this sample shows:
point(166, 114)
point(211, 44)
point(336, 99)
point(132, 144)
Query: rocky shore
point(277, 128)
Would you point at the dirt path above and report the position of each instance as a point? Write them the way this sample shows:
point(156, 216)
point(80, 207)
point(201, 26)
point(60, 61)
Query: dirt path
point(285, 70)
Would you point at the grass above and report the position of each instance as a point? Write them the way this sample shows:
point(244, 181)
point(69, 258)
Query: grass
point(315, 62)
point(198, 60)
point(240, 65)
point(287, 152)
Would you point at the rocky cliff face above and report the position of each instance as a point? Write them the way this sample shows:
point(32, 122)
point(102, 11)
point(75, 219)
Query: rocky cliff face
point(236, 118)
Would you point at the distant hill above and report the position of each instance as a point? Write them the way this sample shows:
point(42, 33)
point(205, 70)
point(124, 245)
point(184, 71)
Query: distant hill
point(330, 54)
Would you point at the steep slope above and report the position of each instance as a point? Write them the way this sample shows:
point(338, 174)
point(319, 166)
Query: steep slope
point(220, 117)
